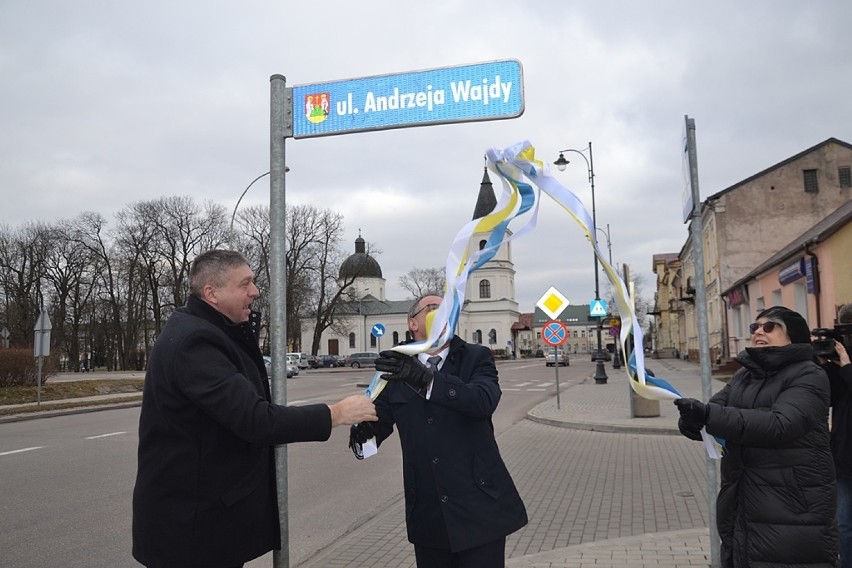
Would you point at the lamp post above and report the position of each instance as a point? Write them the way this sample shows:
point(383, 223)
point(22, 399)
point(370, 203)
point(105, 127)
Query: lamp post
point(616, 360)
point(562, 163)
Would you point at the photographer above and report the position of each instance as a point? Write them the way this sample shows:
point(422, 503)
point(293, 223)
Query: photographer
point(839, 372)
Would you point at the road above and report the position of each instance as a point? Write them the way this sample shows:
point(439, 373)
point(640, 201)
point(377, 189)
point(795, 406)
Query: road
point(66, 482)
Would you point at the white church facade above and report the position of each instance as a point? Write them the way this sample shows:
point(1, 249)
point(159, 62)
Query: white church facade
point(488, 315)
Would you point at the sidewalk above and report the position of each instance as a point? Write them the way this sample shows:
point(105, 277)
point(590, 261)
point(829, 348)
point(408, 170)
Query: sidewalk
point(572, 465)
point(602, 489)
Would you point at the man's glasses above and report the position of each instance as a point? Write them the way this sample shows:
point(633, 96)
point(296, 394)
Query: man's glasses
point(768, 327)
point(430, 307)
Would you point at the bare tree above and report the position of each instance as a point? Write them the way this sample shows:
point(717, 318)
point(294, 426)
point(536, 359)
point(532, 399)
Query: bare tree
point(421, 280)
point(22, 258)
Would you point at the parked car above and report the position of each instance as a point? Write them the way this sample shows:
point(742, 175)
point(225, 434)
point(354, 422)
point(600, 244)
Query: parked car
point(358, 360)
point(329, 361)
point(292, 370)
point(561, 358)
point(539, 353)
point(314, 362)
point(301, 359)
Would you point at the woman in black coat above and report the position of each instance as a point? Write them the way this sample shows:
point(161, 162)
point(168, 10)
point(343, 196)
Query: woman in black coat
point(777, 500)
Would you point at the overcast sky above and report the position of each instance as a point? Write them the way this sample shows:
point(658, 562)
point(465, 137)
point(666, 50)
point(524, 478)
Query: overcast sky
point(103, 103)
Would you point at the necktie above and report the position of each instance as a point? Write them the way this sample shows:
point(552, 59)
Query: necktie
point(433, 362)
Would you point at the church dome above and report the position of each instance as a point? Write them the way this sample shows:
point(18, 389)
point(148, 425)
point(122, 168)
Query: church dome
point(360, 264)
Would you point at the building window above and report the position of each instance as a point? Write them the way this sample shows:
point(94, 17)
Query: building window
point(811, 185)
point(477, 337)
point(352, 341)
point(396, 338)
point(372, 340)
point(492, 337)
point(844, 176)
point(484, 289)
point(409, 336)
point(482, 244)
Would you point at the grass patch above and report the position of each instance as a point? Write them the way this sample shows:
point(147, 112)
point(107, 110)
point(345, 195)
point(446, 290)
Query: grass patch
point(71, 389)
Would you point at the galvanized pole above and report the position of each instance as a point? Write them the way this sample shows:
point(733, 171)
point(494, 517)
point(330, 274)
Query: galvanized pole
point(280, 111)
point(703, 336)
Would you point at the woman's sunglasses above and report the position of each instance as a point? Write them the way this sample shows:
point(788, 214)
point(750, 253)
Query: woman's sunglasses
point(768, 327)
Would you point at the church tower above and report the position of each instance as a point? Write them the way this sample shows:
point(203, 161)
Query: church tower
point(490, 308)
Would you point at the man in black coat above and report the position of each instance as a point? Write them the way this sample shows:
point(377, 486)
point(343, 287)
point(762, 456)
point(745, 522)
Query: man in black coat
point(460, 501)
point(205, 490)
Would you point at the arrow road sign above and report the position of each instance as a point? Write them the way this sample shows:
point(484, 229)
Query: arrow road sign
point(377, 330)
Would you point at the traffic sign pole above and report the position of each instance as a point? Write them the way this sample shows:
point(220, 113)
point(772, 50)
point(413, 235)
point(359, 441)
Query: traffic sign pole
point(555, 334)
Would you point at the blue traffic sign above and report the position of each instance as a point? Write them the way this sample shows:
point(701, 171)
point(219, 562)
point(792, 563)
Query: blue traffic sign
point(377, 330)
point(597, 308)
point(482, 91)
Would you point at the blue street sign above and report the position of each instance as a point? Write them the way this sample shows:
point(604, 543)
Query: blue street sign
point(377, 330)
point(597, 308)
point(482, 91)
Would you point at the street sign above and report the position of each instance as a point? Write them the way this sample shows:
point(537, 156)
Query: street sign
point(42, 335)
point(597, 308)
point(377, 330)
point(552, 303)
point(554, 333)
point(465, 93)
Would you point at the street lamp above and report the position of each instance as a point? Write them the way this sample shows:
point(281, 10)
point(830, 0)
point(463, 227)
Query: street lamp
point(562, 163)
point(243, 194)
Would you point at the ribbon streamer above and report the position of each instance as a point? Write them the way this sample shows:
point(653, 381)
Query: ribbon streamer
point(523, 179)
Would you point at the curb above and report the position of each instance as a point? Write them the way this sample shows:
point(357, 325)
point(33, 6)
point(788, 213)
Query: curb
point(602, 427)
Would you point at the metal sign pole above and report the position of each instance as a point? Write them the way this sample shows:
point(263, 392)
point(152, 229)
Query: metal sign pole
point(703, 335)
point(280, 107)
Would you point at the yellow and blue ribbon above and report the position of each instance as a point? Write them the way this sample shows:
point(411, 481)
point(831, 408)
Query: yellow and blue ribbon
point(524, 178)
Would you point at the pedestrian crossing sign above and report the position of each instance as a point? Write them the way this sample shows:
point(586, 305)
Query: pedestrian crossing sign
point(597, 308)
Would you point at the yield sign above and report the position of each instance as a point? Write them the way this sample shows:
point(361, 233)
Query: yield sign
point(554, 333)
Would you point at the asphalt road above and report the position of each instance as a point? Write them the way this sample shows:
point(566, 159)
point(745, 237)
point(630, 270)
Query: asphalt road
point(66, 482)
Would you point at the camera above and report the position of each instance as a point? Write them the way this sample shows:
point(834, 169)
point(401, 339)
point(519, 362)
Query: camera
point(823, 341)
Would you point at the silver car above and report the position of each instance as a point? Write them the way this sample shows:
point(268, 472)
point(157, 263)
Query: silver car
point(292, 370)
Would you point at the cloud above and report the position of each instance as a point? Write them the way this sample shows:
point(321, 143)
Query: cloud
point(104, 104)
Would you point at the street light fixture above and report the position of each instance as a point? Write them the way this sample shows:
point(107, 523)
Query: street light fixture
point(243, 194)
point(562, 163)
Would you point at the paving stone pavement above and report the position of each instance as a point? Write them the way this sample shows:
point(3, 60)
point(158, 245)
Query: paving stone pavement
point(602, 488)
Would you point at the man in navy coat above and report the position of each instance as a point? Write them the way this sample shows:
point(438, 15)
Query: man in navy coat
point(460, 501)
point(205, 490)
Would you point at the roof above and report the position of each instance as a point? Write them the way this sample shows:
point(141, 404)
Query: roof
point(779, 165)
point(486, 201)
point(360, 264)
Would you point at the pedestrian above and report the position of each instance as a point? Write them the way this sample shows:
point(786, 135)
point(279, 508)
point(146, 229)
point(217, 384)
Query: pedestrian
point(777, 501)
point(460, 501)
point(839, 373)
point(205, 491)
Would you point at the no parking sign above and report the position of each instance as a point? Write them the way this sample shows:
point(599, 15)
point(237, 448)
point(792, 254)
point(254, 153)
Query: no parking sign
point(554, 333)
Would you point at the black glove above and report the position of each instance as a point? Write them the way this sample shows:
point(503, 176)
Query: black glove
point(358, 436)
point(693, 412)
point(399, 367)
point(689, 430)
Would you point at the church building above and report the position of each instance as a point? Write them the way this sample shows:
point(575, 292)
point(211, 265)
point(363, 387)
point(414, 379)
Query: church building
point(372, 322)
